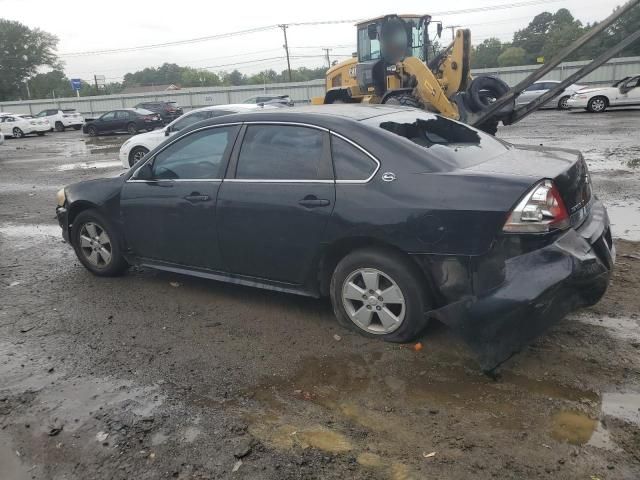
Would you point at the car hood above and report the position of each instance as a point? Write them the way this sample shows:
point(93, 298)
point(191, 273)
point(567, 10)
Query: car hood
point(594, 89)
point(155, 136)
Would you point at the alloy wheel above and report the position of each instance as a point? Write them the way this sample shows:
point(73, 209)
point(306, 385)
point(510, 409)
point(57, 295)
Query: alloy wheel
point(17, 133)
point(564, 103)
point(373, 301)
point(138, 154)
point(597, 104)
point(95, 245)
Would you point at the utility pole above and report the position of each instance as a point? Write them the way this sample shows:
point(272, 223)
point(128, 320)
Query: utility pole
point(453, 33)
point(326, 52)
point(95, 79)
point(28, 91)
point(286, 47)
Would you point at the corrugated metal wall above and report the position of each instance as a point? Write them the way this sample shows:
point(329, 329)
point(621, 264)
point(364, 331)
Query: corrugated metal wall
point(300, 92)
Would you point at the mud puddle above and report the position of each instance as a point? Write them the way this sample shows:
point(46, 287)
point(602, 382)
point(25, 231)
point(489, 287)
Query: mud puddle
point(382, 410)
point(71, 400)
point(89, 165)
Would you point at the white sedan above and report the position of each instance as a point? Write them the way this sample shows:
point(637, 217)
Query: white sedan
point(139, 145)
point(61, 119)
point(18, 126)
point(622, 93)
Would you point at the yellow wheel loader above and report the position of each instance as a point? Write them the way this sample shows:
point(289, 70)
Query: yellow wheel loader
point(396, 64)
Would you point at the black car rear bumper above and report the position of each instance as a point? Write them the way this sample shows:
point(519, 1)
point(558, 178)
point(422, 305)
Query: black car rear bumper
point(540, 287)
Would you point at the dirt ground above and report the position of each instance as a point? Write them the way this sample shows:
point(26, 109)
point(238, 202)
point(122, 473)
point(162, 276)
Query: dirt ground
point(155, 375)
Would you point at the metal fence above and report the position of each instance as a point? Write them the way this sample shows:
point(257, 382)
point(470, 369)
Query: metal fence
point(300, 92)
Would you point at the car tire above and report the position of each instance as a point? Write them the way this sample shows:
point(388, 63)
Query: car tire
point(562, 103)
point(405, 99)
point(597, 104)
point(97, 244)
point(132, 129)
point(59, 127)
point(77, 127)
point(17, 133)
point(136, 155)
point(399, 318)
point(40, 134)
point(92, 131)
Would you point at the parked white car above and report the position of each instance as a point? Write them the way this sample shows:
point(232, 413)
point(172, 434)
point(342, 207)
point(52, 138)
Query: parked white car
point(61, 119)
point(139, 145)
point(536, 89)
point(18, 126)
point(625, 92)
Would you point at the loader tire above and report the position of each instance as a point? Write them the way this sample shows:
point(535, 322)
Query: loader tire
point(405, 99)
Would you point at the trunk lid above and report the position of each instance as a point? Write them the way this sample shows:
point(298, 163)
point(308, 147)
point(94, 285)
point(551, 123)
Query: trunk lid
point(565, 167)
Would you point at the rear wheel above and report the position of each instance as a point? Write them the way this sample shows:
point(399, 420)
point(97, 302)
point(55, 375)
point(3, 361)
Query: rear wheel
point(97, 245)
point(59, 127)
point(597, 105)
point(563, 103)
point(132, 129)
point(17, 133)
point(379, 293)
point(136, 155)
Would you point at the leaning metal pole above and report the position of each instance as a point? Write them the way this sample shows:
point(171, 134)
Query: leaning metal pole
point(522, 112)
point(555, 61)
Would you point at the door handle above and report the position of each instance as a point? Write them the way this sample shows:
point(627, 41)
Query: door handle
point(196, 197)
point(311, 201)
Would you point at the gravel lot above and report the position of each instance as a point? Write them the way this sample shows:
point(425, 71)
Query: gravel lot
point(155, 375)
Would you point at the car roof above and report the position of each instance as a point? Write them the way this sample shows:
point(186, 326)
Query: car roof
point(320, 114)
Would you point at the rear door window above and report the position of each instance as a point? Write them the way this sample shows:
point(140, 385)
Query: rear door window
point(349, 162)
point(282, 152)
point(122, 115)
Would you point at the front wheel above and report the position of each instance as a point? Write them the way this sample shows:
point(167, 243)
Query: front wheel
point(92, 131)
point(136, 155)
point(597, 105)
point(132, 129)
point(96, 244)
point(17, 133)
point(380, 294)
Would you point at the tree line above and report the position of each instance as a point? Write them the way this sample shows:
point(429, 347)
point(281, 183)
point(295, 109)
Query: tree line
point(24, 52)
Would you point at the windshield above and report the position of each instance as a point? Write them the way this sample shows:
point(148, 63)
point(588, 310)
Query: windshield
point(615, 84)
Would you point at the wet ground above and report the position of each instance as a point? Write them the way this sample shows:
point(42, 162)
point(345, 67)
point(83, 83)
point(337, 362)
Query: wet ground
point(155, 375)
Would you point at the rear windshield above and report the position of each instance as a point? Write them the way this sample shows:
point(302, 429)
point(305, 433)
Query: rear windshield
point(142, 111)
point(452, 143)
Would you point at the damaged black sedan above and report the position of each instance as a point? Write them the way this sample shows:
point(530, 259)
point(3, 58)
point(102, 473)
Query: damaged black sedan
point(398, 215)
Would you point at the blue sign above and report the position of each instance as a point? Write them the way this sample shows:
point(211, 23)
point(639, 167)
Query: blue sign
point(76, 83)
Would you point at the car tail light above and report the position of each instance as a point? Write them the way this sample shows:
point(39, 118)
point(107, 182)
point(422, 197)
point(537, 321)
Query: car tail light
point(541, 210)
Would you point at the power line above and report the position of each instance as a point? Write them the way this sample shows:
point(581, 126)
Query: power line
point(272, 27)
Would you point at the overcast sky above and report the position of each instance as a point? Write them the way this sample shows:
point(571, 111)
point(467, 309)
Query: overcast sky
point(88, 26)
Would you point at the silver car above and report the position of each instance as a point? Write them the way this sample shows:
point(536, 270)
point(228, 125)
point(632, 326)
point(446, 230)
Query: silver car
point(542, 86)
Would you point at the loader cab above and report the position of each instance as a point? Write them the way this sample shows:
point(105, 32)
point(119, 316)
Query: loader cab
point(383, 42)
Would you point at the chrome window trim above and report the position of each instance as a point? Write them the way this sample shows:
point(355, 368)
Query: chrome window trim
point(284, 122)
point(177, 180)
point(131, 179)
point(256, 180)
point(377, 162)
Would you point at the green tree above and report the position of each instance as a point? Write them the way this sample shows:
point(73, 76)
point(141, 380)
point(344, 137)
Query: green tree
point(22, 52)
point(531, 38)
point(512, 56)
point(50, 84)
point(486, 54)
point(563, 31)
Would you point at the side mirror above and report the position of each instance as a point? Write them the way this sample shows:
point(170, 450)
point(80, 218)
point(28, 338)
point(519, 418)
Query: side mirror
point(145, 172)
point(167, 131)
point(439, 30)
point(372, 31)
